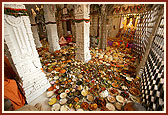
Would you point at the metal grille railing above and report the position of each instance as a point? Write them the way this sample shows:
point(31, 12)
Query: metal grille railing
point(152, 84)
point(145, 26)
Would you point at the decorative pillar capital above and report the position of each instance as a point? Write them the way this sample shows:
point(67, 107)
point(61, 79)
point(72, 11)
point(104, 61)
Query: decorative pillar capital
point(82, 11)
point(15, 6)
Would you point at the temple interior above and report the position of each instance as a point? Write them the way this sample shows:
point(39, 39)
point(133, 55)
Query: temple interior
point(84, 57)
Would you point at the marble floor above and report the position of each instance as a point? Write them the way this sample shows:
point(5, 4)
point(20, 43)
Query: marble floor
point(43, 100)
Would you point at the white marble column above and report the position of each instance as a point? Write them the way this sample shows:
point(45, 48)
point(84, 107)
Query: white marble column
point(20, 42)
point(33, 25)
point(82, 32)
point(51, 26)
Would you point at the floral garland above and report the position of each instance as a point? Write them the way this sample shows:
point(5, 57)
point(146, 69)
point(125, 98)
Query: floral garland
point(81, 20)
point(15, 12)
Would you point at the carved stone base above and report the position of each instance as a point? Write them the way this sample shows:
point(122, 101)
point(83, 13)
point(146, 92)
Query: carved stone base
point(35, 87)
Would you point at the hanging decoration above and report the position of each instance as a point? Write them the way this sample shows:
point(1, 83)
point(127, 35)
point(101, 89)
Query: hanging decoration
point(132, 8)
point(123, 9)
point(141, 19)
point(118, 10)
point(128, 21)
point(33, 12)
point(139, 8)
point(15, 12)
point(133, 21)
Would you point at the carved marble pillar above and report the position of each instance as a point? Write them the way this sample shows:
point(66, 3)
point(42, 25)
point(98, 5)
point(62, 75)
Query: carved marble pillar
point(109, 27)
point(51, 26)
point(64, 25)
point(94, 25)
point(82, 32)
point(34, 26)
point(20, 42)
point(99, 27)
point(102, 39)
point(91, 25)
point(58, 19)
point(64, 22)
point(60, 30)
point(73, 27)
